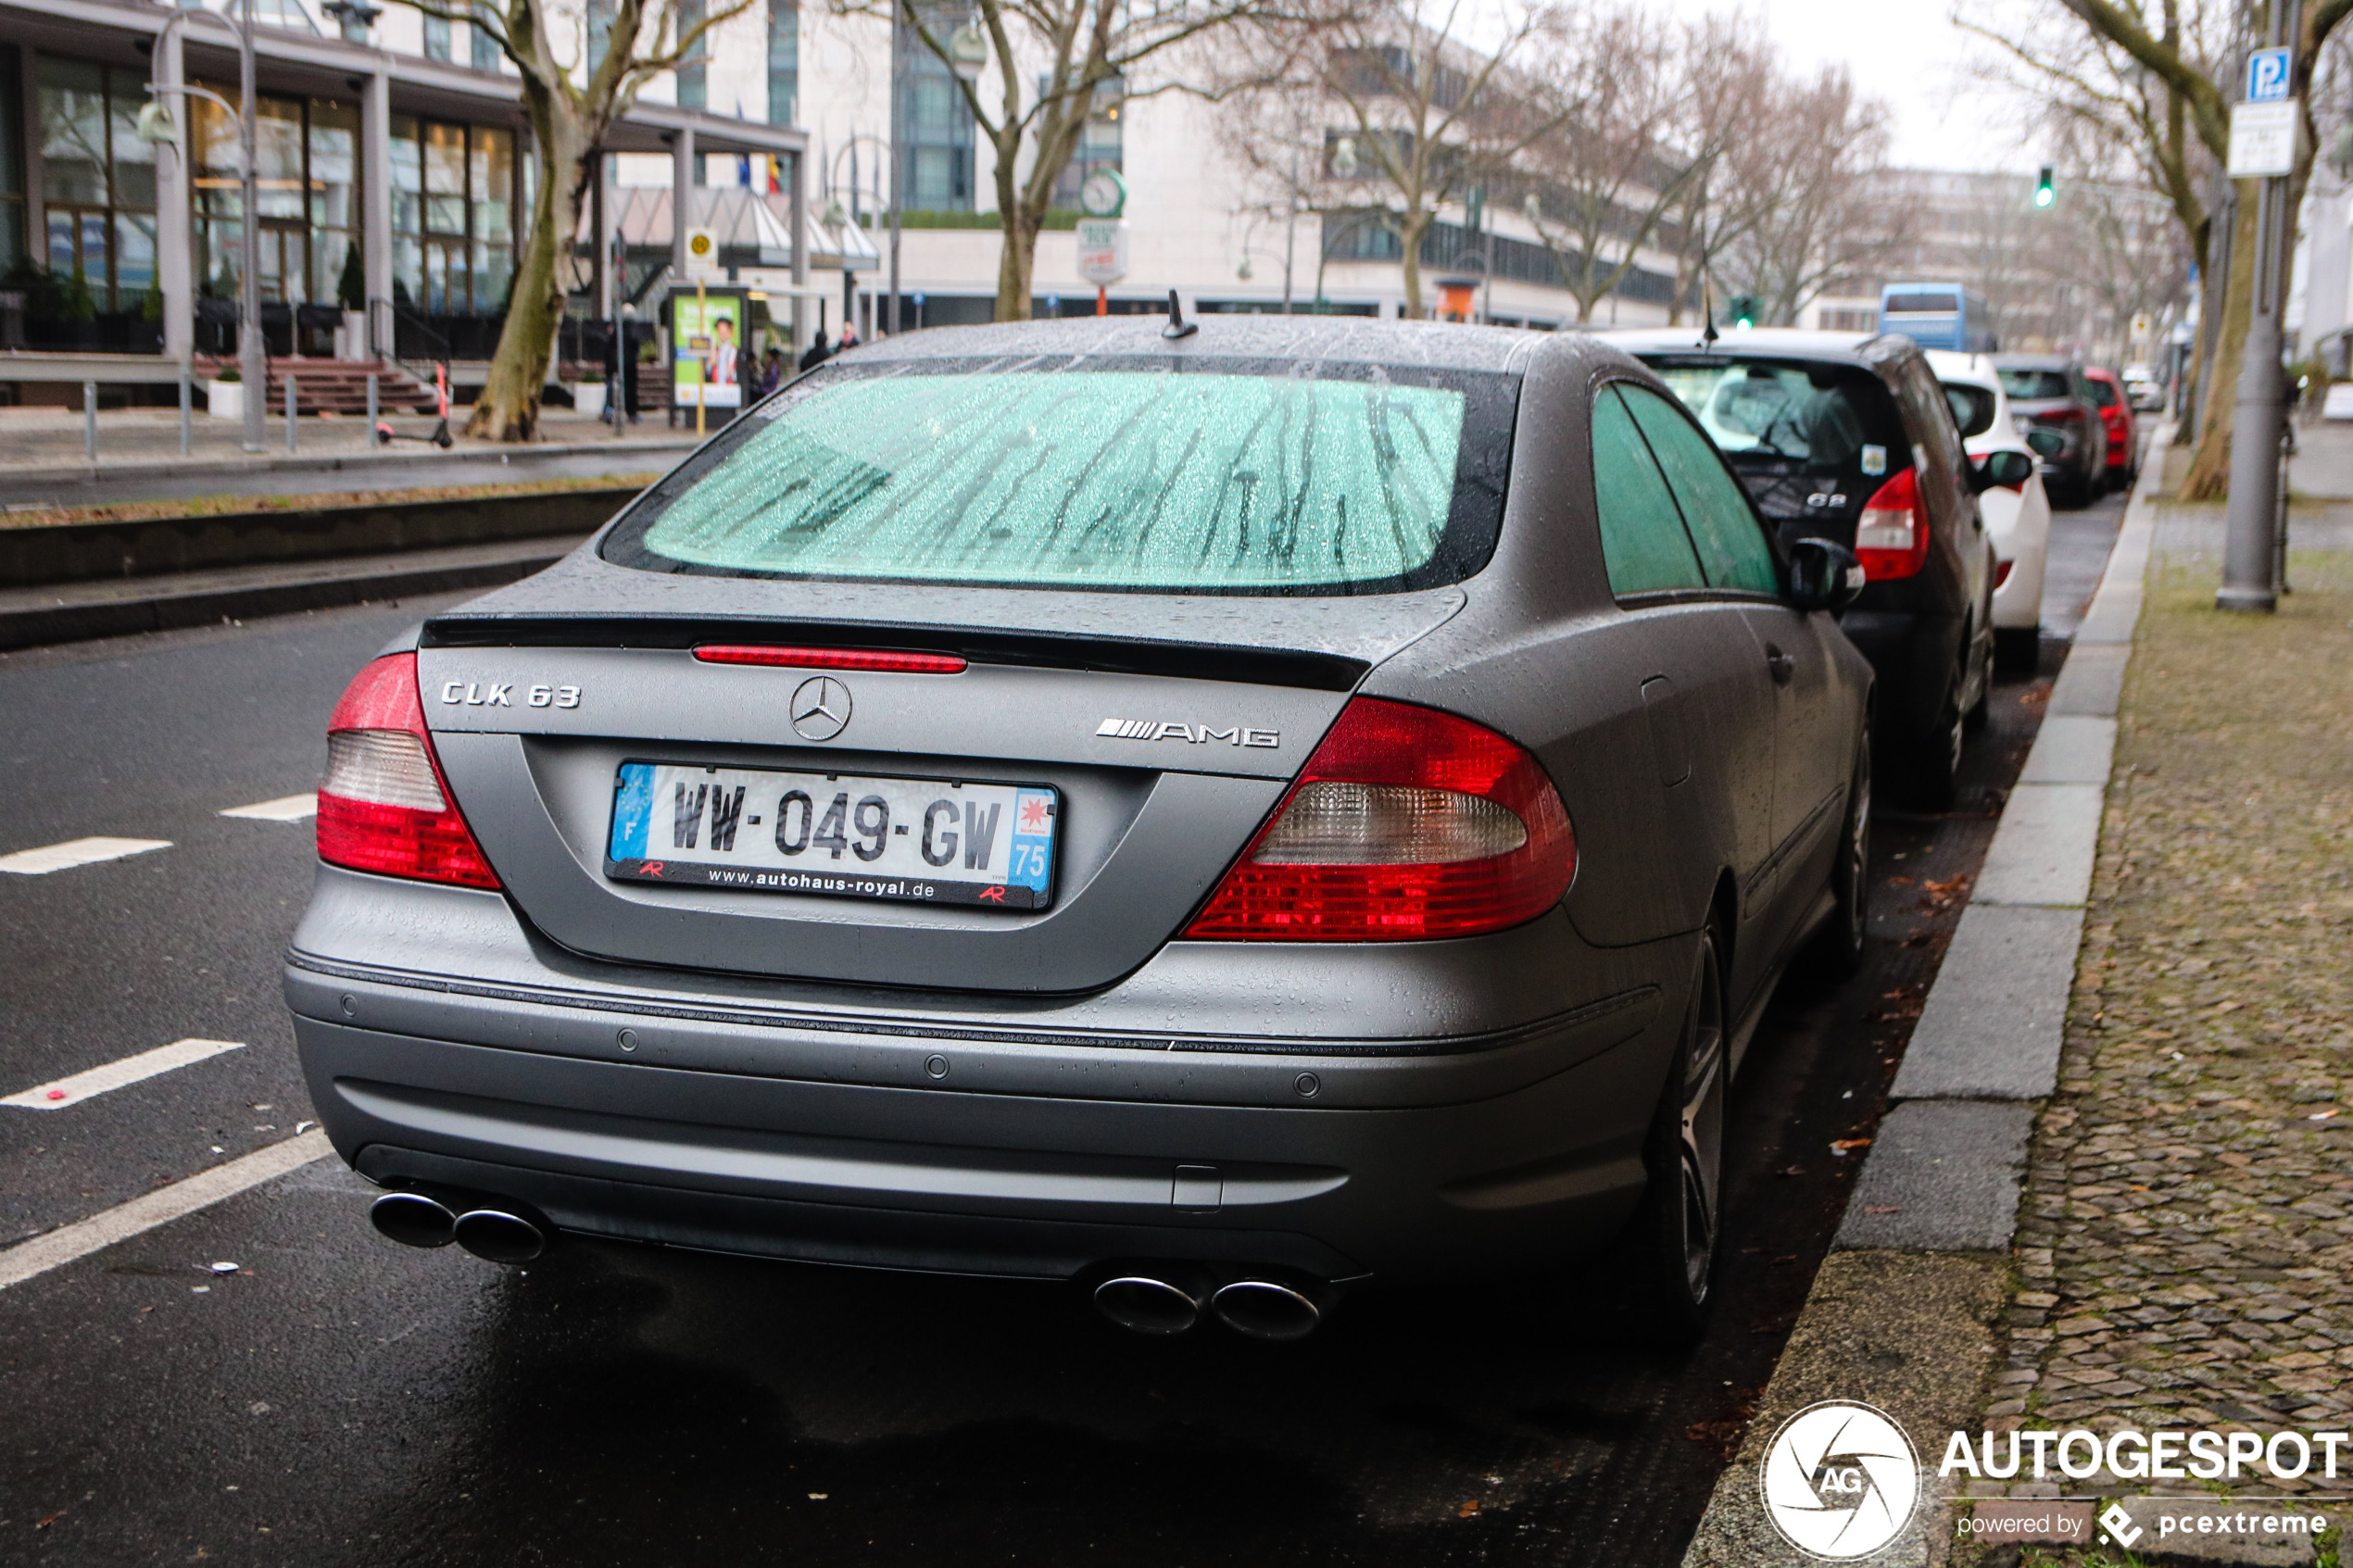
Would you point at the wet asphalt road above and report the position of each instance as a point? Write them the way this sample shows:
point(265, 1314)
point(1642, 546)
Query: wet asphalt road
point(341, 1401)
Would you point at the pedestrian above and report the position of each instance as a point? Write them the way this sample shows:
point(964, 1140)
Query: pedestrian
point(818, 353)
point(772, 370)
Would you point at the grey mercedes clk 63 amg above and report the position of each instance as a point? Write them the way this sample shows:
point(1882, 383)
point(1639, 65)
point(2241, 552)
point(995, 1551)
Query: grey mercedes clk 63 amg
point(1211, 813)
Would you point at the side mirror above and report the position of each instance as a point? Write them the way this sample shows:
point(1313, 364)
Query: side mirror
point(2008, 470)
point(1823, 574)
point(2048, 443)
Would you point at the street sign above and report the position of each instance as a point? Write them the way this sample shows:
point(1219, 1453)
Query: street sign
point(702, 253)
point(2267, 76)
point(2263, 139)
point(1102, 250)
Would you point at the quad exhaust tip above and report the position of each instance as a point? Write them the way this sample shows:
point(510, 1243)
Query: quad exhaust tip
point(489, 1230)
point(1165, 1301)
point(413, 1220)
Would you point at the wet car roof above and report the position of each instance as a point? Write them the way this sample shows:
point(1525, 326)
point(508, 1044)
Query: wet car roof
point(1432, 345)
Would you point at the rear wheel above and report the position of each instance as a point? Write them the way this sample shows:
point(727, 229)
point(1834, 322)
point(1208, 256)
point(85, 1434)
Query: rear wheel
point(1680, 1224)
point(1933, 767)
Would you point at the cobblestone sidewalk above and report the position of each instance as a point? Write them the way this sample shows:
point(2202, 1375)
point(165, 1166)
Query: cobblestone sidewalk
point(2184, 1255)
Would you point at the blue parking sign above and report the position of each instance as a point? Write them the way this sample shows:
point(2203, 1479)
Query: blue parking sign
point(2267, 76)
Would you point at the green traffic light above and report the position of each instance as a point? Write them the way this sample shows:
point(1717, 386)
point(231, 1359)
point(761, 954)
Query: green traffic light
point(2046, 186)
point(2044, 196)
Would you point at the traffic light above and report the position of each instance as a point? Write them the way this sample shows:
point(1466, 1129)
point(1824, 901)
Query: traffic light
point(1741, 309)
point(2045, 187)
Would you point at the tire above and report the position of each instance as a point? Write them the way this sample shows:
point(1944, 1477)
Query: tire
point(1933, 767)
point(1980, 712)
point(1679, 1228)
point(1836, 952)
point(2018, 650)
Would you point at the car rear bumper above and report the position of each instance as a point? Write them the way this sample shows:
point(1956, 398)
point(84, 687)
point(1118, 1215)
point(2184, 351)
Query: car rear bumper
point(1911, 657)
point(994, 1147)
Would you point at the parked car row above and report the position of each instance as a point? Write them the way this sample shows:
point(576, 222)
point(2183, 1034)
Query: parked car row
point(1215, 812)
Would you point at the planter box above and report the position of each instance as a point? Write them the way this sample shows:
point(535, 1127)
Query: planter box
point(225, 399)
point(588, 397)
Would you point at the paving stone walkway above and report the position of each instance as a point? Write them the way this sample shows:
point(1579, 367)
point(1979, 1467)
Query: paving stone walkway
point(2184, 1255)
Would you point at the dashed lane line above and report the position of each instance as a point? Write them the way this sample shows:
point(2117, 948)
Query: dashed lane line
point(287, 809)
point(76, 852)
point(130, 1070)
point(62, 1246)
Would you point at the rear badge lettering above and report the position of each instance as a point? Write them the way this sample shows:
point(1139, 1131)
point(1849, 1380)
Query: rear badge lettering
point(1197, 734)
point(501, 694)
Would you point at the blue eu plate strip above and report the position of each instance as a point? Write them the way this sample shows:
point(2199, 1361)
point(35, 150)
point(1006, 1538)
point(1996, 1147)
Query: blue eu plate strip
point(633, 808)
point(1033, 839)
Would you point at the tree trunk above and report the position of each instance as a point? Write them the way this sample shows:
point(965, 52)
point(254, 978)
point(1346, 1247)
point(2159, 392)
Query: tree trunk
point(2210, 475)
point(509, 407)
point(1410, 232)
point(1015, 263)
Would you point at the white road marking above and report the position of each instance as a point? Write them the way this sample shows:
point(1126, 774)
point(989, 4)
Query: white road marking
point(288, 808)
point(28, 1259)
point(117, 1075)
point(76, 852)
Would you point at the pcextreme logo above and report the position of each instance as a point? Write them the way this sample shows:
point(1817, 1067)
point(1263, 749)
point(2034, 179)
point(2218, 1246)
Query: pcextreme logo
point(1841, 1480)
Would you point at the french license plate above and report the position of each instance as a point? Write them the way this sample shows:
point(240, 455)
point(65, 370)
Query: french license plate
point(925, 840)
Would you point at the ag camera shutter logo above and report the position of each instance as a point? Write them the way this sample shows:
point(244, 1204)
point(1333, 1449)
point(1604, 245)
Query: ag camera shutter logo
point(1841, 1480)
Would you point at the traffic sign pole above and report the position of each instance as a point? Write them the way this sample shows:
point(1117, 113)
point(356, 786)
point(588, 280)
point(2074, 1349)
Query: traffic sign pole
point(2259, 413)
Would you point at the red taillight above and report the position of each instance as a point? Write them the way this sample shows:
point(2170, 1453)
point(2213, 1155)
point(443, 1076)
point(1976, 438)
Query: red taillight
point(1891, 539)
point(1406, 824)
point(384, 807)
point(2002, 571)
point(2059, 417)
point(831, 658)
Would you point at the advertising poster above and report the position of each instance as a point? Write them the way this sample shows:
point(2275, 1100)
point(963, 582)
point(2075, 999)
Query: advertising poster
point(707, 359)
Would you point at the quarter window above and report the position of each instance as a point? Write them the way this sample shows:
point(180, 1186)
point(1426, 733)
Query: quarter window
point(1643, 544)
point(1723, 525)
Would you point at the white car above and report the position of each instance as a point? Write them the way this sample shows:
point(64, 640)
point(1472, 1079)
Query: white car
point(2019, 519)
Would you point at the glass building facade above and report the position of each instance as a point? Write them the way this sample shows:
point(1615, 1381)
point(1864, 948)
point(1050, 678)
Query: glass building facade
point(453, 216)
point(307, 194)
point(99, 180)
point(931, 124)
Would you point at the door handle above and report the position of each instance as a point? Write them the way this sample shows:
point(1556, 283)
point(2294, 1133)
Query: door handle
point(1783, 665)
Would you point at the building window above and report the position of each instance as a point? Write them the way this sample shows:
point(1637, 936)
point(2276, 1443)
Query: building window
point(600, 17)
point(306, 185)
point(99, 180)
point(453, 232)
point(12, 215)
point(693, 71)
point(934, 124)
point(1099, 145)
point(487, 52)
point(784, 61)
point(436, 38)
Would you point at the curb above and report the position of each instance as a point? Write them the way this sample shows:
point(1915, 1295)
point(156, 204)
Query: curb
point(1901, 1314)
point(78, 612)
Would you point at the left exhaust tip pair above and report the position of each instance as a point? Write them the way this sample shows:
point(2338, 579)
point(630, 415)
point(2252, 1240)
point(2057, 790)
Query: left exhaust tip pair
point(491, 1231)
point(1171, 1301)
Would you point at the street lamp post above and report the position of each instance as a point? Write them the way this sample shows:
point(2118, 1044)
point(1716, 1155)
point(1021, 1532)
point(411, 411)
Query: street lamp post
point(884, 149)
point(252, 365)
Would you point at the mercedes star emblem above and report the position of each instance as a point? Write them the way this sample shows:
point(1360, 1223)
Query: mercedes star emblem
point(820, 709)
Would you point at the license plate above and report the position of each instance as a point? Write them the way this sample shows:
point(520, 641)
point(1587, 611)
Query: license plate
point(923, 841)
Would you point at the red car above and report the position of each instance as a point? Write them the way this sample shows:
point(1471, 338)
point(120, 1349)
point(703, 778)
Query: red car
point(2116, 412)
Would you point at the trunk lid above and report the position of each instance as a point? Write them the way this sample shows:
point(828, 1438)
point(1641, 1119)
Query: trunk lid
point(1167, 727)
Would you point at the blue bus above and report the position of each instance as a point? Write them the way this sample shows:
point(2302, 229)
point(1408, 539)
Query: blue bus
point(1938, 315)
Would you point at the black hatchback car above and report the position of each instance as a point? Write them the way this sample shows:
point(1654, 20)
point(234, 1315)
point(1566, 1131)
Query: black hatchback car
point(2065, 422)
point(1850, 439)
point(1211, 814)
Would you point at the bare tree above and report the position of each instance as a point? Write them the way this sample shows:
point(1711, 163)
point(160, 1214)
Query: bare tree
point(2147, 81)
point(1808, 159)
point(1613, 75)
point(571, 102)
point(1731, 73)
point(1383, 116)
point(1048, 58)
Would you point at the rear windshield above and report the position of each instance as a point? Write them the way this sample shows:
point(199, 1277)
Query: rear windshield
point(2104, 392)
point(1198, 477)
point(1939, 303)
point(1777, 409)
point(2024, 385)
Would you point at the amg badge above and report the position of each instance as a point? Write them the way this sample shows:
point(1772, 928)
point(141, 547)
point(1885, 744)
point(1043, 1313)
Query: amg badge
point(1198, 734)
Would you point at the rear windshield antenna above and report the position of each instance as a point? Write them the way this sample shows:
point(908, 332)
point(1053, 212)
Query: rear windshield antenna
point(1707, 333)
point(1177, 326)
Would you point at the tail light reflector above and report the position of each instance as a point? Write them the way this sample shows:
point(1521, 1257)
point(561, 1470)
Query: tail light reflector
point(1891, 539)
point(1406, 825)
point(2002, 571)
point(832, 658)
point(384, 807)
